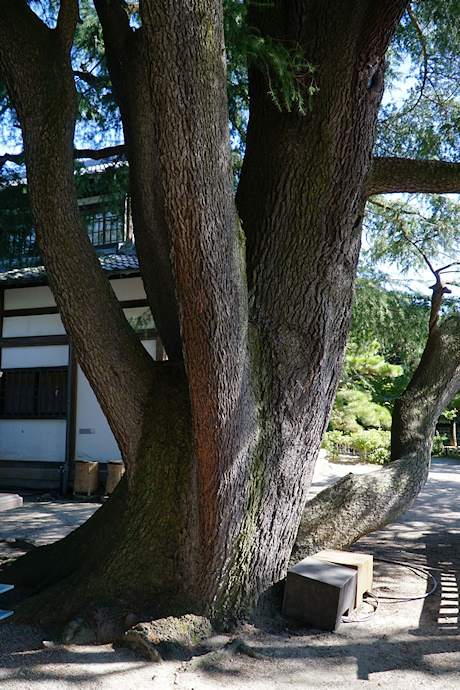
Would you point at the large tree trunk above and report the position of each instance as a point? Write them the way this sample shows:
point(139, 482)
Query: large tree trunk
point(301, 199)
point(221, 452)
point(139, 551)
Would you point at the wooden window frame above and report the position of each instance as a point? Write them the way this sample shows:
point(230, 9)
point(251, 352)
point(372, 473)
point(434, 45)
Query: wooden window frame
point(27, 393)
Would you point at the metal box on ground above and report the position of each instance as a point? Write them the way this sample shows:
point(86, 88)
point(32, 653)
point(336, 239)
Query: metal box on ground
point(319, 593)
point(361, 562)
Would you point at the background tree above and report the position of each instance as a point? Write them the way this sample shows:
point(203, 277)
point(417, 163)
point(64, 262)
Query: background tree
point(253, 309)
point(366, 391)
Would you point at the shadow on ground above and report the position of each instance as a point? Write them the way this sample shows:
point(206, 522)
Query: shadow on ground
point(411, 642)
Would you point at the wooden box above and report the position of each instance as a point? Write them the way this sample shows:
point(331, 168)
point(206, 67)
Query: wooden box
point(361, 562)
point(319, 593)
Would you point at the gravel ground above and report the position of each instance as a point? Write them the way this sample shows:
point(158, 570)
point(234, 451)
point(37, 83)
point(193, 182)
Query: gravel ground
point(409, 643)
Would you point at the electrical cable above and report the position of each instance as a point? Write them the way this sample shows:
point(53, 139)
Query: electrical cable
point(417, 570)
point(370, 616)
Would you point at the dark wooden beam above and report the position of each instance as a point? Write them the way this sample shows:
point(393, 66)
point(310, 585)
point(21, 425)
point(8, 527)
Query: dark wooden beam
point(41, 311)
point(35, 341)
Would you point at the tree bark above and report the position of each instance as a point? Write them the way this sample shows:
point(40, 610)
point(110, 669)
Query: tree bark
point(127, 59)
point(301, 199)
point(357, 505)
point(187, 80)
point(215, 495)
point(139, 551)
point(390, 175)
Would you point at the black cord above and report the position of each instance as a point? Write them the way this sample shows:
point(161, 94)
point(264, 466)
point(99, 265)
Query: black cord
point(418, 570)
point(370, 616)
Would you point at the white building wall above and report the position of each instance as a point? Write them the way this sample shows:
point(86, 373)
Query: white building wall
point(33, 439)
point(128, 288)
point(94, 439)
point(41, 440)
point(44, 356)
point(45, 440)
point(29, 297)
point(26, 326)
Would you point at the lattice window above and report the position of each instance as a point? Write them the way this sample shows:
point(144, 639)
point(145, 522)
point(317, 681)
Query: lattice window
point(105, 228)
point(33, 393)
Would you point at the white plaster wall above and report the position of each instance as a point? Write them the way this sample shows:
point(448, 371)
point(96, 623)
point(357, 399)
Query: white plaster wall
point(45, 439)
point(24, 326)
point(26, 357)
point(94, 439)
point(38, 439)
point(128, 288)
point(32, 297)
point(151, 347)
point(29, 298)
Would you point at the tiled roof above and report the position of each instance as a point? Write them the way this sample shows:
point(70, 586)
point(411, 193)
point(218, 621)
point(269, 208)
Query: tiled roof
point(114, 264)
point(119, 263)
point(30, 274)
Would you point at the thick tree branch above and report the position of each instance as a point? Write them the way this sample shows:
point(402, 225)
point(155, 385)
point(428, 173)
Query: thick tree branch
point(390, 175)
point(382, 20)
point(100, 154)
point(127, 63)
point(17, 158)
point(187, 79)
point(68, 18)
point(358, 505)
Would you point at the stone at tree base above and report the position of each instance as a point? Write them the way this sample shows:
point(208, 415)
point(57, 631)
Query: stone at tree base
point(319, 593)
point(78, 632)
point(168, 638)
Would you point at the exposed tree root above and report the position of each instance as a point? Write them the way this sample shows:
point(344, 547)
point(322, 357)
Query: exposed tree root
point(225, 652)
point(358, 505)
point(46, 565)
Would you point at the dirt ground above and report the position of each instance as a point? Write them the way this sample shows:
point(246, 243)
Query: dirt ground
point(410, 643)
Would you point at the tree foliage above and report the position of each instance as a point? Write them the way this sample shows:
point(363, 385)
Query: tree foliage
point(424, 123)
point(397, 320)
point(368, 386)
